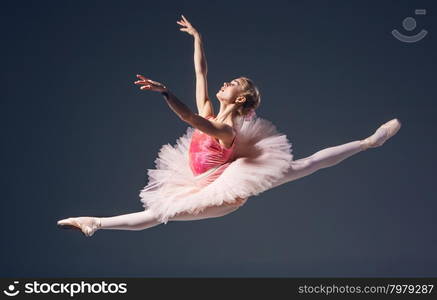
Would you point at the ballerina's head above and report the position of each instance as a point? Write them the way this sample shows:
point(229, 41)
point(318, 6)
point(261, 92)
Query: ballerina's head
point(243, 94)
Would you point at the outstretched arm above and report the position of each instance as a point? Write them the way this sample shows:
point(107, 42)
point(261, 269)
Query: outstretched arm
point(218, 130)
point(204, 104)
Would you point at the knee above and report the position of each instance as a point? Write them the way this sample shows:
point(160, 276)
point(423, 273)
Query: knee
point(316, 163)
point(305, 164)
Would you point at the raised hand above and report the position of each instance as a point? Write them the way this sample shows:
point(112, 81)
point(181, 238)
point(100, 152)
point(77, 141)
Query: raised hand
point(148, 84)
point(187, 27)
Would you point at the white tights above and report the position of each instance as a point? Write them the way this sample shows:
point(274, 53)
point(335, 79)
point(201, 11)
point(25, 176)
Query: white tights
point(327, 157)
point(145, 219)
point(299, 168)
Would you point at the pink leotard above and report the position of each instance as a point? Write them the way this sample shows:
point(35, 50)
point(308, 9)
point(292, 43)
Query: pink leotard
point(206, 153)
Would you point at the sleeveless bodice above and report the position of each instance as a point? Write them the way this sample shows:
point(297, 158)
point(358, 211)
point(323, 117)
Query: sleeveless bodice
point(206, 152)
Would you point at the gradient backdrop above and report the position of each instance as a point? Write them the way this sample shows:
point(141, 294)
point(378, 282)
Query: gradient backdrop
point(78, 136)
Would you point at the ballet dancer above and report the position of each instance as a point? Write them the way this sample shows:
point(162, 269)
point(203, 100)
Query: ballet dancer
point(222, 159)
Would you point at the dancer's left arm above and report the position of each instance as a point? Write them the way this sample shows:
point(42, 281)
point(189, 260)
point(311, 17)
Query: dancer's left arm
point(204, 104)
point(216, 129)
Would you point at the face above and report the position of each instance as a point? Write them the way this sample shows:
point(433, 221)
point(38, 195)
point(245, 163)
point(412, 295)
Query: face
point(230, 91)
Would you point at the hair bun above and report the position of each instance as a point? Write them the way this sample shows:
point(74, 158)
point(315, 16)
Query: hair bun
point(251, 114)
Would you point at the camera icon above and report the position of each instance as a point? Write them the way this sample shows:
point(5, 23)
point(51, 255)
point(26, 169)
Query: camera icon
point(409, 24)
point(11, 292)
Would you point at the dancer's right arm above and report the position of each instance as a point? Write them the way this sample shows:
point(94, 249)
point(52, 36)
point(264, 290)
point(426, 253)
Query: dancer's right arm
point(218, 130)
point(204, 104)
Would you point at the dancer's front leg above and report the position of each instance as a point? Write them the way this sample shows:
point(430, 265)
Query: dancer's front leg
point(331, 156)
point(322, 159)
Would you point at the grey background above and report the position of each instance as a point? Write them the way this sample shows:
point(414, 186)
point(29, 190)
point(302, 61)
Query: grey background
point(78, 136)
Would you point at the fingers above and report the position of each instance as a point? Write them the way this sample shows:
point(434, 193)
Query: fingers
point(149, 84)
point(157, 84)
point(145, 80)
point(185, 19)
point(142, 77)
point(184, 22)
point(143, 83)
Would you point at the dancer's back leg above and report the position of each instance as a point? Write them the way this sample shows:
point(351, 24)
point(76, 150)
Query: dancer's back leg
point(146, 219)
point(211, 212)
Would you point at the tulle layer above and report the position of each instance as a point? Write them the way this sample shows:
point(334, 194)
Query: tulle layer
point(262, 155)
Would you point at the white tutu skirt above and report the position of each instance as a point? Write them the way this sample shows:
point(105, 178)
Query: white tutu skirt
point(261, 157)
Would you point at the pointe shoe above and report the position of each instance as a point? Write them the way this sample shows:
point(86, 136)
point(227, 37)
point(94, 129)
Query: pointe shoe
point(87, 225)
point(382, 134)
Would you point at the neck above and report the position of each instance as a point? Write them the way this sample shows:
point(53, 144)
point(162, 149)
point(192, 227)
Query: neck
point(227, 113)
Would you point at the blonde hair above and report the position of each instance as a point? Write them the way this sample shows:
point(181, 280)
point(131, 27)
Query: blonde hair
point(252, 95)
